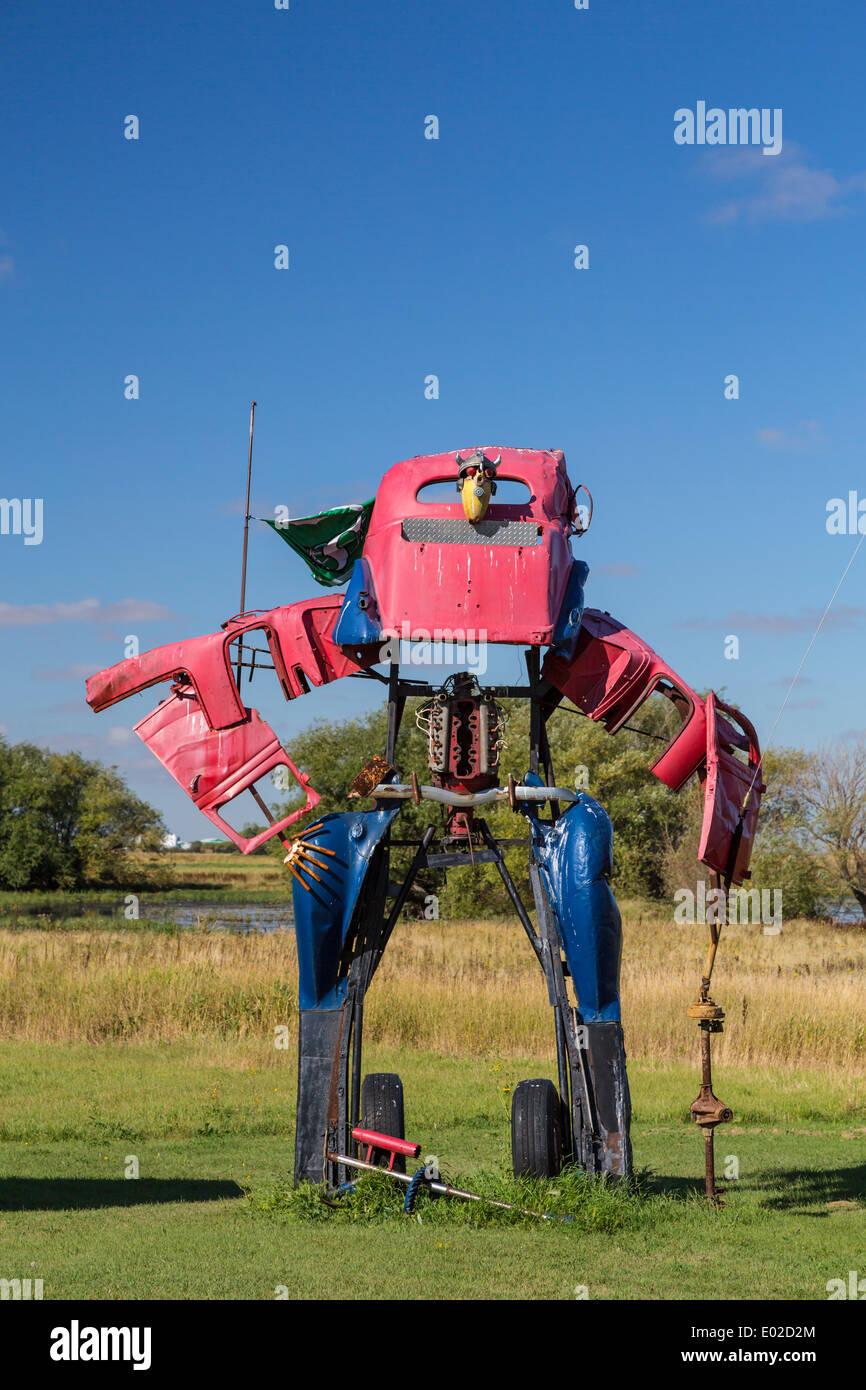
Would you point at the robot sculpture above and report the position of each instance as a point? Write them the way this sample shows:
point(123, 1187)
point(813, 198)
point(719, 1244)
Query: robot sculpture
point(504, 571)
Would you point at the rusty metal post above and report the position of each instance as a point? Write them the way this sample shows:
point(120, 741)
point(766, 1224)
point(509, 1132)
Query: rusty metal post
point(707, 1110)
point(708, 1130)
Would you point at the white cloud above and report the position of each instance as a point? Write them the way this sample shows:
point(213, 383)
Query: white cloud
point(842, 615)
point(118, 734)
point(78, 671)
point(805, 438)
point(85, 610)
point(788, 188)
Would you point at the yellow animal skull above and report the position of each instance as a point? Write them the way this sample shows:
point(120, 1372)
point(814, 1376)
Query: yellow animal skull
point(476, 485)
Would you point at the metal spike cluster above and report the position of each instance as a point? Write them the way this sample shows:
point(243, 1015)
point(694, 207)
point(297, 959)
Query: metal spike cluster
point(300, 856)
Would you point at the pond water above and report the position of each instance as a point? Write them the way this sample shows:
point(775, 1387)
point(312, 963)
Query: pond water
point(847, 911)
point(200, 913)
point(216, 915)
point(221, 916)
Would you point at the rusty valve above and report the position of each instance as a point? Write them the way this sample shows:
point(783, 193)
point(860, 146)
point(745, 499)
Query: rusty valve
point(708, 1111)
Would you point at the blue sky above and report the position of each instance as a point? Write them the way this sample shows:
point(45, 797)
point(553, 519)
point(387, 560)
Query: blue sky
point(410, 257)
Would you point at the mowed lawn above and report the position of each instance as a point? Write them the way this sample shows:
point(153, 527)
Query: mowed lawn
point(208, 1120)
point(127, 1049)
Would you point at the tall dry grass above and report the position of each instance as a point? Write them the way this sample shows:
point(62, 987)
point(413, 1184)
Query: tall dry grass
point(794, 1000)
point(255, 871)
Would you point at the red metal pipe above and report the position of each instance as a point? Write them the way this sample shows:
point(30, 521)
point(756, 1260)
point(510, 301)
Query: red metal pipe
point(387, 1142)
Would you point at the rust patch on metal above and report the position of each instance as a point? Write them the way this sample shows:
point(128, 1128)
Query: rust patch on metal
point(371, 774)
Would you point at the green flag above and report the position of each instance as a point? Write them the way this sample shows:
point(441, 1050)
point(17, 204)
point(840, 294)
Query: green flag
point(329, 542)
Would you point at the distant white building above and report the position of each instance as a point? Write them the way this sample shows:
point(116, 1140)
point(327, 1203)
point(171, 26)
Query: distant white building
point(172, 841)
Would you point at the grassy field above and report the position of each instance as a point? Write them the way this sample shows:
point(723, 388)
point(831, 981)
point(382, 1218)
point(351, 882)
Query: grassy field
point(467, 989)
point(159, 1047)
point(209, 1122)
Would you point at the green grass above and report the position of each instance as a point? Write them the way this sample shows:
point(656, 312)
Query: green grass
point(572, 1198)
point(212, 1214)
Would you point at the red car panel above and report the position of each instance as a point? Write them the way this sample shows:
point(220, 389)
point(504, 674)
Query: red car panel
point(213, 746)
point(298, 636)
point(213, 766)
point(505, 576)
point(732, 794)
point(612, 673)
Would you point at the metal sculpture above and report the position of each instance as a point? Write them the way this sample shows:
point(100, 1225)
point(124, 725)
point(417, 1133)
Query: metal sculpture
point(503, 571)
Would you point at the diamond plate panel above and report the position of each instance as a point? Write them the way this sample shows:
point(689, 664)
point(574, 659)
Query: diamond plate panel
point(446, 530)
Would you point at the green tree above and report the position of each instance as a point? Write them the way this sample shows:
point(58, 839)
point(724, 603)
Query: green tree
point(112, 821)
point(786, 855)
point(66, 822)
point(831, 790)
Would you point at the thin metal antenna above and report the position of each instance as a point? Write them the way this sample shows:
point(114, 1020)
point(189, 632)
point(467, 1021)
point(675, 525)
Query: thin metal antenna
point(246, 539)
point(259, 800)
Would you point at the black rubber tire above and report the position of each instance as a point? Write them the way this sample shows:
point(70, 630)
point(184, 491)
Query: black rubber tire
point(382, 1110)
point(536, 1130)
